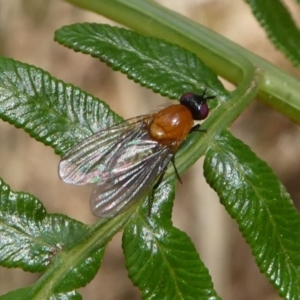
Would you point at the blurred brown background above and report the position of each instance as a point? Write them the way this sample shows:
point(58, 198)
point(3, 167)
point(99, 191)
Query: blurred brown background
point(26, 34)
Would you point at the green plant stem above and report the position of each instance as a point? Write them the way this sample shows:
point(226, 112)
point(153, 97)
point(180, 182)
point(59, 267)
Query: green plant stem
point(277, 89)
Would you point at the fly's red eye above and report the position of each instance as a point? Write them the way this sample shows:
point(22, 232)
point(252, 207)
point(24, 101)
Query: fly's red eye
point(203, 111)
point(196, 104)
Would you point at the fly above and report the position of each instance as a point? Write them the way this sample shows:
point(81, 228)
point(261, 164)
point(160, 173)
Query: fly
point(123, 161)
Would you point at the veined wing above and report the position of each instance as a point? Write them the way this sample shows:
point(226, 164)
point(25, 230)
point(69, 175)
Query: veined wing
point(129, 181)
point(86, 162)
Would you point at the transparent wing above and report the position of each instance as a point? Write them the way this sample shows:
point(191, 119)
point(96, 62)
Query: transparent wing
point(128, 182)
point(122, 161)
point(86, 162)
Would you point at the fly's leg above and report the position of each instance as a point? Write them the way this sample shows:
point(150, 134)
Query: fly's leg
point(158, 182)
point(175, 169)
point(197, 128)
